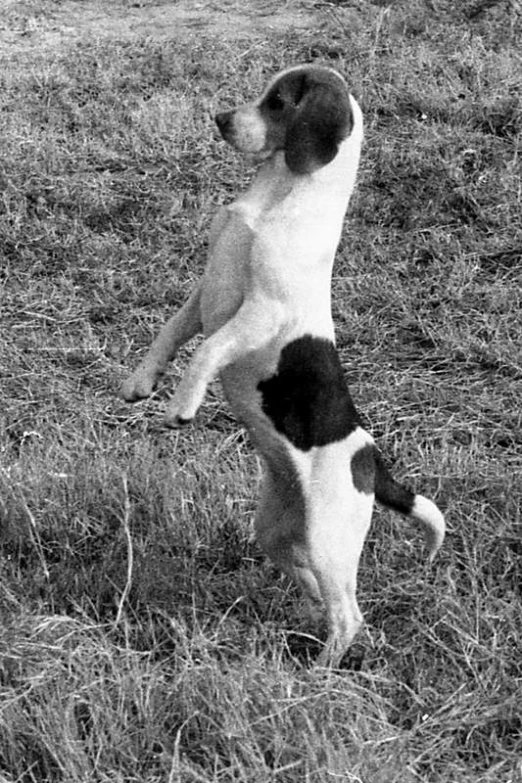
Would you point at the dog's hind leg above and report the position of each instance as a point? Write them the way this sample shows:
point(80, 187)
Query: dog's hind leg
point(336, 575)
point(280, 532)
point(335, 550)
point(338, 520)
point(315, 535)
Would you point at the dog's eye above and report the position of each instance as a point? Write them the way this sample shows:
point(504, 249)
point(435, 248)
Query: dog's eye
point(275, 102)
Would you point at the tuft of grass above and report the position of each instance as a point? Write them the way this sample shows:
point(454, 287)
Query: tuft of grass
point(142, 635)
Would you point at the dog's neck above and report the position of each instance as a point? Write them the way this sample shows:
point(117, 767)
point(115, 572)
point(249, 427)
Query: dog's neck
point(329, 186)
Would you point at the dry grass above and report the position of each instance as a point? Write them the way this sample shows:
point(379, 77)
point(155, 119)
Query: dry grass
point(142, 635)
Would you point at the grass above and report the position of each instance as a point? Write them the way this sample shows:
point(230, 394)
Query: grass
point(142, 635)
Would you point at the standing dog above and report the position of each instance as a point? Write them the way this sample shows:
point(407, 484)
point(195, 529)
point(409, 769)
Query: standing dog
point(264, 307)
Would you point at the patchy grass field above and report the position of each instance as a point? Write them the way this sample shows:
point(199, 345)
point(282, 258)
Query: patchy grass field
point(142, 635)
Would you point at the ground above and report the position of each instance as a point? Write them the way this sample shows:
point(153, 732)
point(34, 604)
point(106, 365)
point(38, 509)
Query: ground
point(30, 25)
point(143, 637)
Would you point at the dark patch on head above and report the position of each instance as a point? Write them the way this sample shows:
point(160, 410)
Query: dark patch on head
point(309, 109)
point(388, 491)
point(363, 469)
point(307, 399)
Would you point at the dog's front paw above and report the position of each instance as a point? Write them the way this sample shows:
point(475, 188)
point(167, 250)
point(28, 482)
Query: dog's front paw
point(175, 421)
point(138, 386)
point(185, 403)
point(178, 414)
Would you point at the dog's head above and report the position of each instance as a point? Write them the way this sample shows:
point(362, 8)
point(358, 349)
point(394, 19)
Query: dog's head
point(305, 111)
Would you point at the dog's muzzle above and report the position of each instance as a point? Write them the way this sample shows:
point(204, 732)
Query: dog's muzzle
point(244, 129)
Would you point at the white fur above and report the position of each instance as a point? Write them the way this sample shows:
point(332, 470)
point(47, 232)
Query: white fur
point(266, 284)
point(432, 521)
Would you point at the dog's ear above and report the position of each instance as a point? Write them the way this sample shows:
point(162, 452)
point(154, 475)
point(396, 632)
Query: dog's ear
point(323, 118)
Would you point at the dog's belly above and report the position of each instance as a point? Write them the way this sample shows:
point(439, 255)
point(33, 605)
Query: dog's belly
point(240, 384)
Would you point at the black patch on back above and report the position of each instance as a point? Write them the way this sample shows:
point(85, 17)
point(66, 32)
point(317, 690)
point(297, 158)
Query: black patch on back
point(307, 399)
point(388, 491)
point(363, 469)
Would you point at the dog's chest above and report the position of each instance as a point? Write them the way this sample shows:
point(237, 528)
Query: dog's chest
point(226, 271)
point(228, 274)
point(277, 239)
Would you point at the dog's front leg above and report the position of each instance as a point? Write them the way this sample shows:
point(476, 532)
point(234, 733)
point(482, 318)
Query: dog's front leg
point(183, 325)
point(254, 324)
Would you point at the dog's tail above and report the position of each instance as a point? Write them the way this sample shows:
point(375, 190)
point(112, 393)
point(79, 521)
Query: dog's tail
point(394, 495)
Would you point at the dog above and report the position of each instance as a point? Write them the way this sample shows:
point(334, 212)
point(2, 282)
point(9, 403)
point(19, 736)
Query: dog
point(263, 305)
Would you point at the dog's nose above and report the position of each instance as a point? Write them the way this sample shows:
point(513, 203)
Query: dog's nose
point(224, 121)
